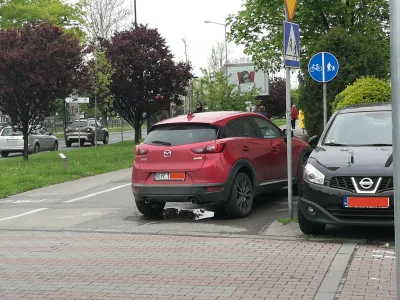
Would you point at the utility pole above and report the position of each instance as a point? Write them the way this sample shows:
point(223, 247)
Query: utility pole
point(395, 86)
point(289, 139)
point(134, 9)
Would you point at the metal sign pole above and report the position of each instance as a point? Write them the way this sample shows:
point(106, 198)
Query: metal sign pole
point(325, 103)
point(395, 86)
point(79, 126)
point(95, 121)
point(122, 129)
point(289, 139)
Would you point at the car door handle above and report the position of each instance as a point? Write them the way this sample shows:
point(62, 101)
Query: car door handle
point(274, 149)
point(245, 148)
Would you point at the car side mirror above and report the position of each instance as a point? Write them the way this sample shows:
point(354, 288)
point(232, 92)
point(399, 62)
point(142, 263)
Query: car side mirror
point(313, 141)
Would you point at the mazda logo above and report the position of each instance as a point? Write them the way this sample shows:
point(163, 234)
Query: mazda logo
point(167, 153)
point(366, 183)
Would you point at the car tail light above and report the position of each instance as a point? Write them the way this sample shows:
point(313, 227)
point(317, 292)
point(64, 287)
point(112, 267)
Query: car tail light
point(211, 189)
point(140, 151)
point(214, 148)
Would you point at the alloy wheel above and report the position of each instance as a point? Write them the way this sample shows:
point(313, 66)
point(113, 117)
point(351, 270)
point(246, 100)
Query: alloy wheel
point(243, 194)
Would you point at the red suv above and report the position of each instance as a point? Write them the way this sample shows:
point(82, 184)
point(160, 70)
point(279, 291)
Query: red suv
point(225, 157)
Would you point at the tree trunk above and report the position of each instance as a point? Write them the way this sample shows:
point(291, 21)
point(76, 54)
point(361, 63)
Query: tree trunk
point(137, 133)
point(26, 146)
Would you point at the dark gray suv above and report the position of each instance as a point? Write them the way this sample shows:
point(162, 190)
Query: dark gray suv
point(83, 131)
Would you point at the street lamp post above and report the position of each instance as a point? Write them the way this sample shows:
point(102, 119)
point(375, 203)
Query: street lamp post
point(226, 38)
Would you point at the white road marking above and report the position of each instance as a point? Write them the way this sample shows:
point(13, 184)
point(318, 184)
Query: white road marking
point(98, 193)
point(14, 201)
point(43, 194)
point(24, 214)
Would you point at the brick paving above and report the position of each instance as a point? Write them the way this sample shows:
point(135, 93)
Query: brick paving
point(67, 265)
point(371, 277)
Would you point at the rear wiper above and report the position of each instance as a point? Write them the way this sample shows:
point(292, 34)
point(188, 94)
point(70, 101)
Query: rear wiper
point(381, 145)
point(161, 143)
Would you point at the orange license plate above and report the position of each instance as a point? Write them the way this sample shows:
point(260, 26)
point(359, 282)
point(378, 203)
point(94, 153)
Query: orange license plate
point(366, 202)
point(169, 176)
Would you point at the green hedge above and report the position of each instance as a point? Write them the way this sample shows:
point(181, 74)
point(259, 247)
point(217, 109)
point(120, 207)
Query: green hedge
point(364, 90)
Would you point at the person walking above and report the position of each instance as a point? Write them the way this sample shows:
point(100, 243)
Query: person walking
point(199, 107)
point(301, 120)
point(293, 116)
point(261, 111)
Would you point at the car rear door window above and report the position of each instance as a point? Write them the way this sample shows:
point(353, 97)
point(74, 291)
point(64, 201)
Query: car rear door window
point(239, 128)
point(268, 131)
point(181, 134)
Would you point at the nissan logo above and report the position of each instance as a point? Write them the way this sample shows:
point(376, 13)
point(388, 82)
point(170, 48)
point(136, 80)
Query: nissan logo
point(366, 183)
point(167, 153)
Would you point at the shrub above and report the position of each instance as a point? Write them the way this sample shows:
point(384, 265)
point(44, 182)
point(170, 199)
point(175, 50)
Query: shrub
point(364, 90)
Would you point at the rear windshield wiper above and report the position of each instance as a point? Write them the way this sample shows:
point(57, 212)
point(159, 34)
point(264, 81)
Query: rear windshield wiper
point(161, 143)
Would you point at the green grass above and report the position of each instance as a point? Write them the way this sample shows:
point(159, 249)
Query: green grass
point(279, 122)
point(286, 221)
point(45, 169)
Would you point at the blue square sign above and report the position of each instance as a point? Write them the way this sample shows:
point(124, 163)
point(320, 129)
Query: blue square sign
point(291, 42)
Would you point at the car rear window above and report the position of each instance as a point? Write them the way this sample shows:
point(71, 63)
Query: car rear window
point(79, 124)
point(10, 132)
point(181, 134)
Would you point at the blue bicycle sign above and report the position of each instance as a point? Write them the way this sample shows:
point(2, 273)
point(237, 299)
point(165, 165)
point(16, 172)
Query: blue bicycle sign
point(323, 67)
point(315, 67)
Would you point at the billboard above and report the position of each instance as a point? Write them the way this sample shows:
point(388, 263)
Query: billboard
point(246, 78)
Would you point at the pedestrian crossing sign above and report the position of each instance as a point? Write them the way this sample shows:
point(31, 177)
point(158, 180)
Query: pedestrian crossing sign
point(291, 38)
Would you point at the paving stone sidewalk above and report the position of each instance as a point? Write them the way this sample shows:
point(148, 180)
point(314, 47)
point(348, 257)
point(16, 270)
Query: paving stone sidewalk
point(79, 265)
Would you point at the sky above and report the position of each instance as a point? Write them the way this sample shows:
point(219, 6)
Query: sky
point(176, 19)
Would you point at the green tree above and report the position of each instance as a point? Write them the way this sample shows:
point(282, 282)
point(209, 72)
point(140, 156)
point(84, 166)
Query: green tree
point(100, 74)
point(15, 13)
point(358, 55)
point(364, 90)
point(258, 27)
point(216, 94)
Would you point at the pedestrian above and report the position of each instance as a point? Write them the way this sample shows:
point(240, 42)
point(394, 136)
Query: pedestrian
point(199, 107)
point(301, 120)
point(293, 116)
point(262, 111)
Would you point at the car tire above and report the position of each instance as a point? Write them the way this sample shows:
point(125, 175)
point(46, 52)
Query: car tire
point(152, 209)
point(307, 226)
point(241, 197)
point(55, 146)
point(4, 154)
point(36, 148)
point(106, 139)
point(82, 142)
point(68, 144)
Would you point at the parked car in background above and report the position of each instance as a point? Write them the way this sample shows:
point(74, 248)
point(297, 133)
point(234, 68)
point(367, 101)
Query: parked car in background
point(83, 131)
point(223, 157)
point(11, 141)
point(348, 179)
point(2, 125)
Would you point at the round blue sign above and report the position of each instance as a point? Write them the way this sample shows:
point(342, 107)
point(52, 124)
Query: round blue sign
point(323, 67)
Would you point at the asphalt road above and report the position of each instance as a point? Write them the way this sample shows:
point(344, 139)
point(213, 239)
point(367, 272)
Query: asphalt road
point(105, 203)
point(115, 137)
